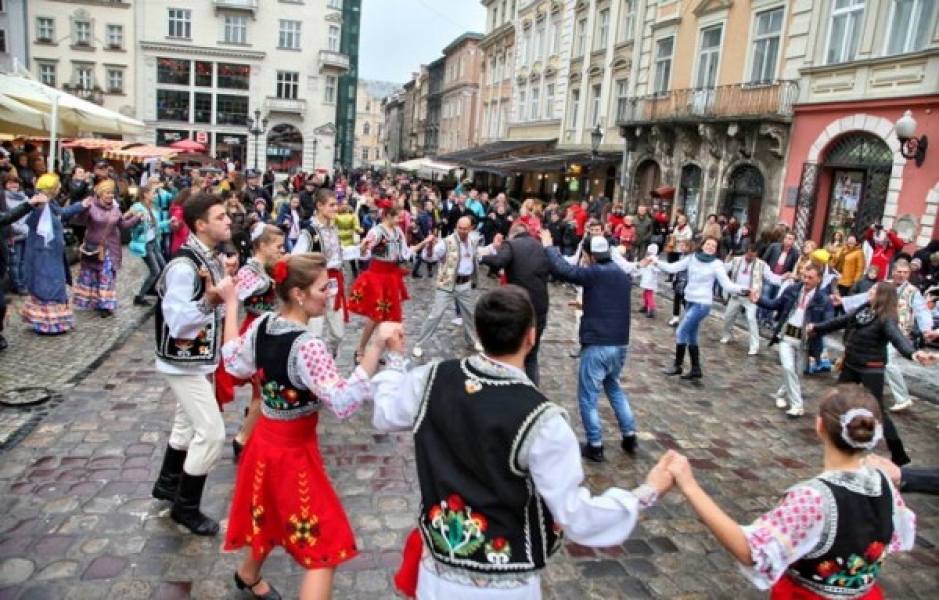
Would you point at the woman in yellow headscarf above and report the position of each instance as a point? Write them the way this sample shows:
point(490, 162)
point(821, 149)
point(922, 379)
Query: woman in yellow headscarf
point(96, 286)
point(46, 307)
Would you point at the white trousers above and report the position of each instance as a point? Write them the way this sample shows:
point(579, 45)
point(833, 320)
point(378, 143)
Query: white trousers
point(894, 376)
point(735, 306)
point(792, 357)
point(197, 426)
point(333, 324)
point(463, 295)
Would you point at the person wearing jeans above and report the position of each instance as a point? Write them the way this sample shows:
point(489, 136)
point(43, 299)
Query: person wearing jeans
point(145, 241)
point(600, 368)
point(703, 270)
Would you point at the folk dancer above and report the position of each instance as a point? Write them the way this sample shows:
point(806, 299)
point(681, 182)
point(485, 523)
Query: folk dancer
point(193, 290)
point(799, 305)
point(749, 272)
point(458, 258)
point(513, 501)
point(322, 236)
point(258, 297)
point(282, 494)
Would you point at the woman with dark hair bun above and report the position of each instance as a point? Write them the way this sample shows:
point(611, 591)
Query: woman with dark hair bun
point(868, 331)
point(829, 537)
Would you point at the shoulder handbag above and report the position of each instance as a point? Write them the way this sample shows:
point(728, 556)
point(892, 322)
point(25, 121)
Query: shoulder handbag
point(97, 251)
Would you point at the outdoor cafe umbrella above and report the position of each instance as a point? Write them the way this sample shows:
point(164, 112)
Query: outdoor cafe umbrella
point(188, 145)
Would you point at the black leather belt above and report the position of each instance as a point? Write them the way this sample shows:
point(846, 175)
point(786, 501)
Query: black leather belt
point(793, 332)
point(460, 279)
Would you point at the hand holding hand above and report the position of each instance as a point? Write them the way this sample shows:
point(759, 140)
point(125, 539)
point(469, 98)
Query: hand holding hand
point(890, 470)
point(925, 358)
point(546, 240)
point(680, 469)
point(836, 300)
point(39, 199)
point(87, 202)
point(755, 296)
point(391, 336)
point(932, 335)
point(810, 329)
point(497, 240)
point(659, 477)
point(231, 265)
point(223, 292)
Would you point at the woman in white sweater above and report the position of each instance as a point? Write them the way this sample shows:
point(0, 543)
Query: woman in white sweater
point(704, 267)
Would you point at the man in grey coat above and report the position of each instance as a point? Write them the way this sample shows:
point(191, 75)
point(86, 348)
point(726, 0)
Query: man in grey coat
point(644, 226)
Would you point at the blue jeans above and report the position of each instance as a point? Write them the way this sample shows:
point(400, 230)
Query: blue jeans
point(764, 315)
point(18, 265)
point(155, 265)
point(688, 328)
point(600, 366)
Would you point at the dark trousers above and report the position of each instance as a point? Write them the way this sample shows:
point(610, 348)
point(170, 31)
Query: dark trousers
point(531, 359)
point(678, 301)
point(155, 264)
point(873, 381)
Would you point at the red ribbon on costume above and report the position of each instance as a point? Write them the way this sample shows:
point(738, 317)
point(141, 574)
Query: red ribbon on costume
point(340, 292)
point(406, 577)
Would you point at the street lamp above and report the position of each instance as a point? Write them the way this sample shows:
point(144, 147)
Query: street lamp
point(912, 148)
point(257, 127)
point(596, 136)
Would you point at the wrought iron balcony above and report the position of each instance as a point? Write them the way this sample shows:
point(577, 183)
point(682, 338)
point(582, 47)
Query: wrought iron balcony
point(284, 105)
point(335, 61)
point(93, 94)
point(747, 101)
point(249, 6)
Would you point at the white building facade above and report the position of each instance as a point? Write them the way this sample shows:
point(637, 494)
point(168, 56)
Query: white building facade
point(84, 48)
point(13, 41)
point(256, 86)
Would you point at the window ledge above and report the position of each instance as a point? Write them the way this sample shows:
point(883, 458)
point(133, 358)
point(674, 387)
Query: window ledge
point(234, 44)
point(80, 48)
point(290, 49)
point(179, 39)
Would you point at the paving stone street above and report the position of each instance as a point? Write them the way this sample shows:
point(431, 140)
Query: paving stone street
point(78, 521)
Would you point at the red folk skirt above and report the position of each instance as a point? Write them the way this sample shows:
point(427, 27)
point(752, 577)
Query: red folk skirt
point(379, 292)
point(787, 589)
point(225, 382)
point(283, 497)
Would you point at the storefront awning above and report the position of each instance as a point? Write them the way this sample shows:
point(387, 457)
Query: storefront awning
point(101, 144)
point(494, 150)
point(142, 154)
point(544, 162)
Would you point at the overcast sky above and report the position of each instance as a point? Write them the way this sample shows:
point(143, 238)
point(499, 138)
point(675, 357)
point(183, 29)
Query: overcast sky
point(398, 36)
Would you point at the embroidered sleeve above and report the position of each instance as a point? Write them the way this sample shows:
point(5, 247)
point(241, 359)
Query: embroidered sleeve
point(318, 373)
point(249, 283)
point(404, 250)
point(785, 534)
point(904, 524)
point(238, 354)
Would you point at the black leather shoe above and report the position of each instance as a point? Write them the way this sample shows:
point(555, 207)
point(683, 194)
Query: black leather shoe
point(236, 448)
point(673, 370)
point(141, 301)
point(272, 594)
point(693, 374)
point(594, 453)
point(3, 343)
point(629, 444)
point(185, 509)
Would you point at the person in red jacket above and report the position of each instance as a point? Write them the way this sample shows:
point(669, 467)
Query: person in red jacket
point(884, 244)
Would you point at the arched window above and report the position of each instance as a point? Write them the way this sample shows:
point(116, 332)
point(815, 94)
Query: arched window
point(284, 148)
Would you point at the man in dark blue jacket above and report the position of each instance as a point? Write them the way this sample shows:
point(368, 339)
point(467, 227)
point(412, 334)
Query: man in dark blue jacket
point(604, 337)
point(799, 304)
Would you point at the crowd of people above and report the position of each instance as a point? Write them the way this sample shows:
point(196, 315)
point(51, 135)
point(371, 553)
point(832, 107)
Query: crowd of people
point(254, 285)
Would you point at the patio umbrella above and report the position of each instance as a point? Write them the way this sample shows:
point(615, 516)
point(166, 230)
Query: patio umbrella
point(188, 145)
point(16, 117)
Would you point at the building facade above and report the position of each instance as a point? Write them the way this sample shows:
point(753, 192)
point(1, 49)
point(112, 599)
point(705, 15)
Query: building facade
point(14, 43)
point(460, 93)
point(495, 94)
point(203, 71)
point(865, 63)
point(435, 78)
point(370, 122)
point(393, 138)
point(86, 49)
point(347, 105)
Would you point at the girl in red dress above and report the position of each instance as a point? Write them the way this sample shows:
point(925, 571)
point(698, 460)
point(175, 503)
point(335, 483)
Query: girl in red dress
point(829, 536)
point(256, 292)
point(282, 495)
point(379, 292)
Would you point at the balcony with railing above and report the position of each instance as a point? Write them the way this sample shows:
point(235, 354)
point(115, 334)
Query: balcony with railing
point(335, 61)
point(250, 6)
point(90, 94)
point(285, 105)
point(748, 101)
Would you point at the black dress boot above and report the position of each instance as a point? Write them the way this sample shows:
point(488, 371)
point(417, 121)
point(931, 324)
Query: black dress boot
point(186, 507)
point(695, 372)
point(679, 359)
point(168, 481)
point(898, 455)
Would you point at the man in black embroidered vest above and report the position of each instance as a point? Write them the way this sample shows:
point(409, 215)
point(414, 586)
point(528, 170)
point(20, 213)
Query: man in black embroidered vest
point(193, 290)
point(498, 463)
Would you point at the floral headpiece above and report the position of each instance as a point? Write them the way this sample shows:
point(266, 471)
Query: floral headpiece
point(280, 272)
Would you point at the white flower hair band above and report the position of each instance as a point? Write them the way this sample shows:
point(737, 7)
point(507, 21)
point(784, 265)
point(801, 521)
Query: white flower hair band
point(846, 419)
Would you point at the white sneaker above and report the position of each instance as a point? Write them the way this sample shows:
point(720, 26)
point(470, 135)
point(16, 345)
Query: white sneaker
point(726, 339)
point(753, 352)
point(792, 413)
point(673, 321)
point(478, 347)
point(457, 321)
point(901, 406)
point(417, 352)
point(780, 402)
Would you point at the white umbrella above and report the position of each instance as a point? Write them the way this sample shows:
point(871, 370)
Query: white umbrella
point(18, 118)
point(68, 110)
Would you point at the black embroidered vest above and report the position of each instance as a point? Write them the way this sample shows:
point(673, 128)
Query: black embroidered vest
point(480, 513)
point(275, 348)
point(264, 300)
point(204, 348)
point(859, 526)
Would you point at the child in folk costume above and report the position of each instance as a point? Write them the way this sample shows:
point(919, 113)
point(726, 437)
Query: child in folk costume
point(282, 494)
point(256, 292)
point(830, 535)
point(379, 292)
point(649, 282)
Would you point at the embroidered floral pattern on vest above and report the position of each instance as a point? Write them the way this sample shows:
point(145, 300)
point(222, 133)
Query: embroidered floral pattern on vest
point(455, 529)
point(857, 572)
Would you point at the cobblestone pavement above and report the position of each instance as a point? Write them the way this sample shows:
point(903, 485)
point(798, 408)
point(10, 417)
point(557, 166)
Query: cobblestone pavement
point(78, 521)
